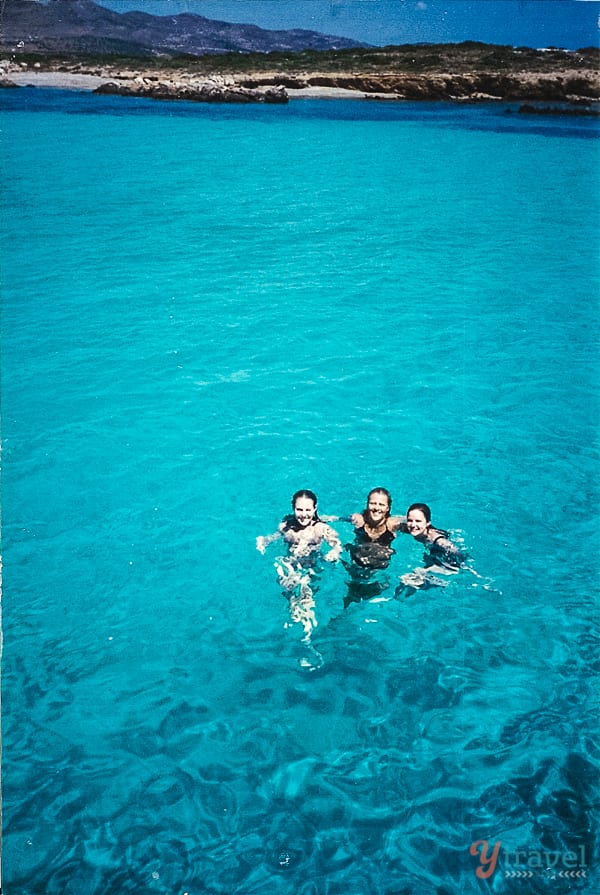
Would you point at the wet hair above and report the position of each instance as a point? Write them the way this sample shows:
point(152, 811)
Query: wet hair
point(378, 491)
point(423, 508)
point(290, 522)
point(310, 495)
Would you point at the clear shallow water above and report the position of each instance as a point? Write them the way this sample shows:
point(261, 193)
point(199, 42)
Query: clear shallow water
point(205, 309)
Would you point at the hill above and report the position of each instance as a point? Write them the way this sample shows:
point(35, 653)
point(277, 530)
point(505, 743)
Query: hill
point(82, 27)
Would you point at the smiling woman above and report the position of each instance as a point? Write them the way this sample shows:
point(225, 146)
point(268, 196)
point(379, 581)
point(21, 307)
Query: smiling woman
point(374, 532)
point(304, 534)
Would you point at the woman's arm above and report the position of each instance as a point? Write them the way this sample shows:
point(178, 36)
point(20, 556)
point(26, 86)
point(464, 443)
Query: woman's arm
point(397, 523)
point(449, 551)
point(263, 541)
point(332, 538)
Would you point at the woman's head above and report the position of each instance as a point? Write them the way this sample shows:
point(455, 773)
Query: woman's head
point(379, 505)
point(418, 519)
point(304, 505)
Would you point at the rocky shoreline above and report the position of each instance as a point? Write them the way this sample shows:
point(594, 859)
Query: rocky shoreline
point(561, 86)
point(207, 92)
point(573, 87)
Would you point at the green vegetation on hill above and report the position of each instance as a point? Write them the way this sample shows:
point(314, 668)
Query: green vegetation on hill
point(409, 58)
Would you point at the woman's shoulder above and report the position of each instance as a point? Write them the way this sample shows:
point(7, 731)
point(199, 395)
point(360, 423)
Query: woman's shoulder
point(437, 536)
point(439, 542)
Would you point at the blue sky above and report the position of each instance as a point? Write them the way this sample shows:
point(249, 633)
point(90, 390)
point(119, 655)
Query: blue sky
point(536, 23)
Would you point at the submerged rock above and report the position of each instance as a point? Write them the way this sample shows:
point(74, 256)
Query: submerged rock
point(528, 109)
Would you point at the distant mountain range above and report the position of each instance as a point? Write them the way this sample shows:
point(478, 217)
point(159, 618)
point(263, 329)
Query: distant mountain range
point(84, 27)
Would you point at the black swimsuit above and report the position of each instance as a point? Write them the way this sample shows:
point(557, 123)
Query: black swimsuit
point(384, 539)
point(372, 553)
point(290, 523)
point(436, 554)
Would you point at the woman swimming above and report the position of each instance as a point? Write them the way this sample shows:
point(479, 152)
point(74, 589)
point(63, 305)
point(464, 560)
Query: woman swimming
point(439, 547)
point(304, 534)
point(303, 531)
point(374, 531)
point(440, 552)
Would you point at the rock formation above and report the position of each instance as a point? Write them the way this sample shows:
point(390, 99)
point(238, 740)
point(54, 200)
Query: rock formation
point(201, 93)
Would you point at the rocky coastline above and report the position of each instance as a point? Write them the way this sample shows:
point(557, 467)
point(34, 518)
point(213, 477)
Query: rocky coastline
point(566, 86)
point(569, 79)
point(206, 92)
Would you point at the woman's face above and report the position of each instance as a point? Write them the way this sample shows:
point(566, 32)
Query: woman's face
point(416, 523)
point(304, 510)
point(378, 507)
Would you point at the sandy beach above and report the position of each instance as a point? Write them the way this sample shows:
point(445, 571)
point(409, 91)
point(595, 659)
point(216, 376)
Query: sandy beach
point(73, 81)
point(59, 80)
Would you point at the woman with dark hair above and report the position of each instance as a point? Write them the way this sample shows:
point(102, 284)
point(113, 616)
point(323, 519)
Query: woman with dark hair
point(439, 548)
point(440, 553)
point(303, 531)
point(304, 534)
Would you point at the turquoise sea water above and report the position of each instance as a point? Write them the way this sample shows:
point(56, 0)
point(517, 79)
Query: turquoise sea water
point(203, 310)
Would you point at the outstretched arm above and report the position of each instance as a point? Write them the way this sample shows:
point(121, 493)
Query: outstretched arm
point(263, 541)
point(334, 542)
point(356, 519)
